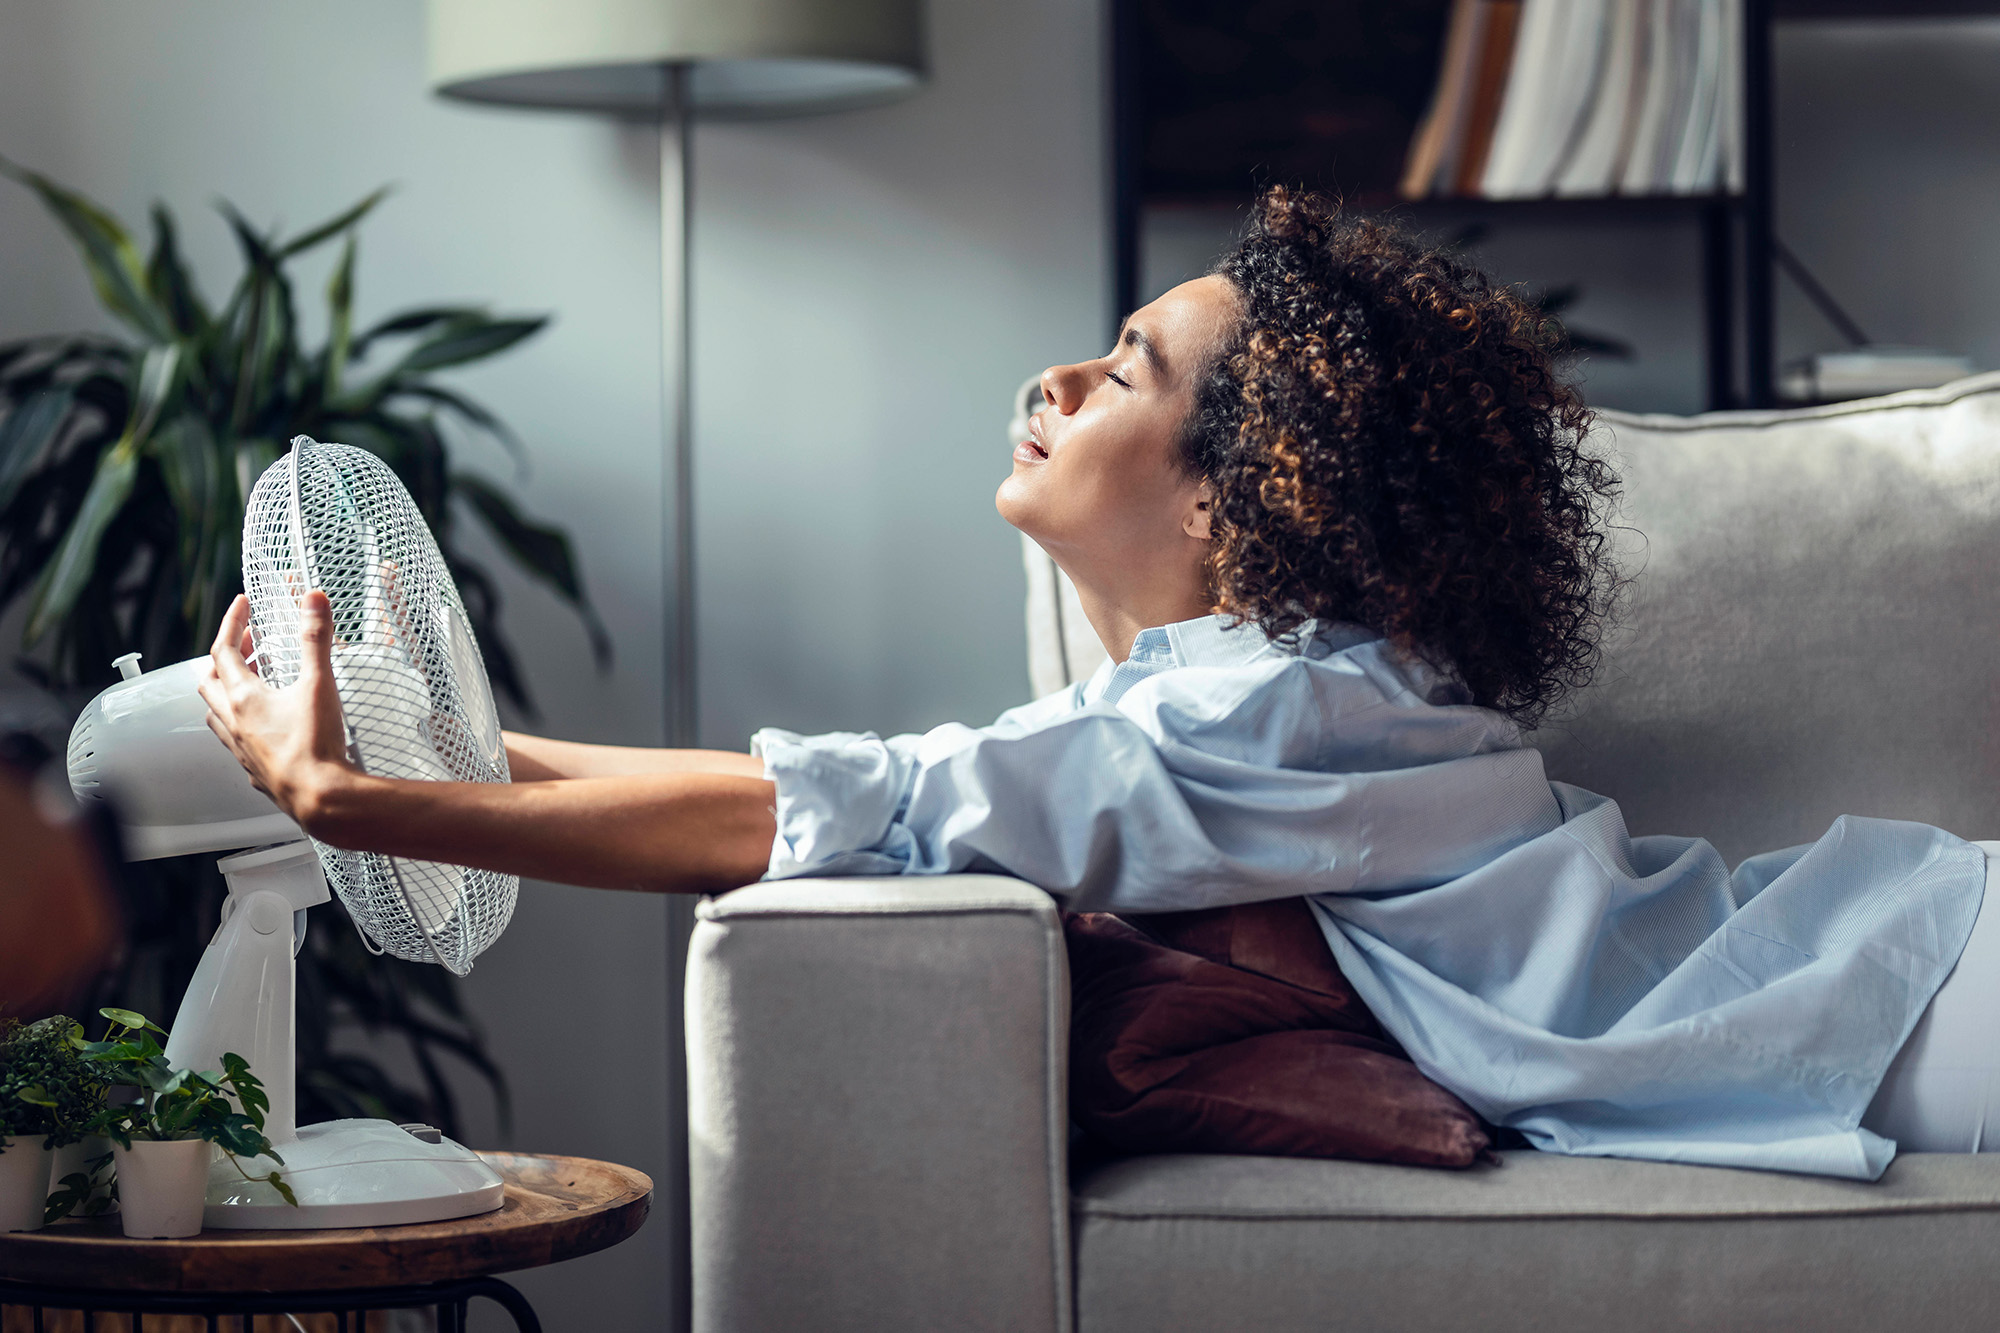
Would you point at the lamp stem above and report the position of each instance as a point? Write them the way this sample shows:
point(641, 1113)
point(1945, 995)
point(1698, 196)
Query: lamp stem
point(677, 422)
point(676, 352)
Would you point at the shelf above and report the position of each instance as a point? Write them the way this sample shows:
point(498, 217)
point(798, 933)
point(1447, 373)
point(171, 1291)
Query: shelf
point(1648, 204)
point(1807, 10)
point(1551, 206)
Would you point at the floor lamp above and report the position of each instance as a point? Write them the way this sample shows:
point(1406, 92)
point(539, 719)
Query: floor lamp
point(674, 61)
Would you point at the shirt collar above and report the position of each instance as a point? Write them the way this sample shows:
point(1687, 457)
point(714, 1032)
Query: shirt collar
point(1212, 641)
point(1224, 641)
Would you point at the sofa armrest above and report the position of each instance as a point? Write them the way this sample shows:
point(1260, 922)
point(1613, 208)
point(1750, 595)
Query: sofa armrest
point(877, 1116)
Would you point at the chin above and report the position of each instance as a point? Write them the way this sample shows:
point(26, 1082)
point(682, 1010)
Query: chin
point(1016, 502)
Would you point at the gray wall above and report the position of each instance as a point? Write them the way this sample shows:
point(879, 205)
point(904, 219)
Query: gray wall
point(1887, 189)
point(869, 289)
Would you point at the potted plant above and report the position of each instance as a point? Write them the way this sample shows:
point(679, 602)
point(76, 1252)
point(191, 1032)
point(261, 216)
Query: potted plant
point(50, 1096)
point(164, 1139)
point(125, 454)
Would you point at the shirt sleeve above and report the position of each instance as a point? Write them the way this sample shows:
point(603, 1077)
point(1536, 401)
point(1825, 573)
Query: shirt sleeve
point(1201, 787)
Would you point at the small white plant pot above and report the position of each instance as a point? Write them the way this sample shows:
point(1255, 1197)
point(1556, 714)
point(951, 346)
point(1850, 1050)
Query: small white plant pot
point(74, 1159)
point(24, 1183)
point(162, 1186)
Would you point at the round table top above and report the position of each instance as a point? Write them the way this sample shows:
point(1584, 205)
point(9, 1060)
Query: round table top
point(556, 1208)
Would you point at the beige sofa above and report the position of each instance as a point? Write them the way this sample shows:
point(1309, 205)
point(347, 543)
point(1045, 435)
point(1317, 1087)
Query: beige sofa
point(878, 1134)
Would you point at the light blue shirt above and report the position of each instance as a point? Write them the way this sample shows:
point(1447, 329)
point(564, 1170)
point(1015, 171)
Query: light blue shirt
point(1603, 994)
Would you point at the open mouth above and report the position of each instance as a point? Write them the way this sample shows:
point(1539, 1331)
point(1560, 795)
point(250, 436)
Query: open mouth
point(1035, 449)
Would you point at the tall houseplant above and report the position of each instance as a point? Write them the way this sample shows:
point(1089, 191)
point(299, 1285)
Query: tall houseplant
point(124, 463)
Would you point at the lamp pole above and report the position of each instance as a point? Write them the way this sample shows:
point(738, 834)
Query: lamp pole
point(677, 428)
point(637, 57)
point(676, 406)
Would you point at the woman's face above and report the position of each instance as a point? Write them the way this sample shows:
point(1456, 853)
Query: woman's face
point(1098, 483)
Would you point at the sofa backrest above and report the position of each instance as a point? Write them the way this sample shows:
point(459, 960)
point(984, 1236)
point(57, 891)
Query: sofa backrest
point(1811, 628)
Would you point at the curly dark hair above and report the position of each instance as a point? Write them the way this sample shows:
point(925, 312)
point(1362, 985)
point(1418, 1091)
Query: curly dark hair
point(1390, 444)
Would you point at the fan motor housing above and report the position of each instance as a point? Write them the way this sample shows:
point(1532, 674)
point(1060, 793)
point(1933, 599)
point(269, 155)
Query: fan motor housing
point(144, 744)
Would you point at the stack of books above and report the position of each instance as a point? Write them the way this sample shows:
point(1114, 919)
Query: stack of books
point(1575, 98)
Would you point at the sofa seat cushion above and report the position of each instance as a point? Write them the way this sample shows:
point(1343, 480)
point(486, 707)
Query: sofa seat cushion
point(1539, 1242)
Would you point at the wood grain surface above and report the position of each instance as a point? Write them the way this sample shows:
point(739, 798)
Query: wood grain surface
point(557, 1208)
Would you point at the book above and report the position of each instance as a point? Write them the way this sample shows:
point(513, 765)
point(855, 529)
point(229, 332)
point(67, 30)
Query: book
point(1729, 169)
point(1549, 89)
point(1440, 127)
point(1696, 157)
point(1591, 167)
point(1581, 98)
point(1496, 55)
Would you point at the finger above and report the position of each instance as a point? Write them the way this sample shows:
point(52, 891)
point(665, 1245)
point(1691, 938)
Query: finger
point(316, 639)
point(228, 739)
point(247, 646)
point(229, 663)
point(216, 695)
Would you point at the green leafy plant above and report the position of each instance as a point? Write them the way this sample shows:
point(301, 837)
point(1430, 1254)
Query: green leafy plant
point(124, 463)
point(48, 1090)
point(89, 1191)
point(181, 1103)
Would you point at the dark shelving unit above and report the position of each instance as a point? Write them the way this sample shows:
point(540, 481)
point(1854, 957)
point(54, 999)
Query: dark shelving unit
point(1738, 232)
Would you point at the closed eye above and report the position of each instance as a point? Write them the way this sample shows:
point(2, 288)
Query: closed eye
point(1117, 379)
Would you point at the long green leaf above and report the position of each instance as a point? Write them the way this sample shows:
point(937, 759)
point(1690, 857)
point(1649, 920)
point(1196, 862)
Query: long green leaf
point(279, 356)
point(25, 436)
point(469, 338)
point(159, 372)
point(116, 272)
point(243, 356)
point(332, 227)
point(411, 321)
point(267, 342)
point(76, 556)
point(389, 445)
point(474, 413)
point(340, 318)
point(252, 457)
point(168, 282)
point(188, 460)
point(541, 550)
point(459, 343)
point(27, 355)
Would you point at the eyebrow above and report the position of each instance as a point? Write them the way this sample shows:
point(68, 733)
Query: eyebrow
point(1149, 349)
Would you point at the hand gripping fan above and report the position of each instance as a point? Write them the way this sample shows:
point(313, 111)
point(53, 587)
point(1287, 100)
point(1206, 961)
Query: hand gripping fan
point(412, 686)
point(416, 705)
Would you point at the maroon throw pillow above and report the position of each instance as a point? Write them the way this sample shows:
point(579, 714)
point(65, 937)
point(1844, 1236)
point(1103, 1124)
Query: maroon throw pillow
point(1234, 1031)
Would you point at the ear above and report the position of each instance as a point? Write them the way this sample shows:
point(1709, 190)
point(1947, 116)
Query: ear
point(1196, 523)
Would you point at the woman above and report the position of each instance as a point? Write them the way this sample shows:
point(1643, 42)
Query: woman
point(1328, 511)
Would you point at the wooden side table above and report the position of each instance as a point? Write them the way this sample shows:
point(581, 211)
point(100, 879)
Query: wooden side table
point(556, 1208)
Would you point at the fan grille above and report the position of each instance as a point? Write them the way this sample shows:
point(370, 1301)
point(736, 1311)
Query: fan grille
point(412, 685)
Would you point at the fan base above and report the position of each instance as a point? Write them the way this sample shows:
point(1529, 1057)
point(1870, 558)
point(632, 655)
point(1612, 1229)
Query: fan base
point(354, 1173)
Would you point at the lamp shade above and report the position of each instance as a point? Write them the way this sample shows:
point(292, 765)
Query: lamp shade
point(746, 58)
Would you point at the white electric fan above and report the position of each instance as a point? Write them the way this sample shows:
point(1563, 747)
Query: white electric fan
point(416, 703)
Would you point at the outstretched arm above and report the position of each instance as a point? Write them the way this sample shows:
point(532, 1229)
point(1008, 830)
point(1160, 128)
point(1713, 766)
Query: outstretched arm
point(540, 759)
point(676, 830)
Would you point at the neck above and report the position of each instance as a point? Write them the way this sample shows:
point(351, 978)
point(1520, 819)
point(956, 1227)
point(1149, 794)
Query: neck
point(1119, 615)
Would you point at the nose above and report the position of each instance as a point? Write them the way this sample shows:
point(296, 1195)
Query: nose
point(1063, 388)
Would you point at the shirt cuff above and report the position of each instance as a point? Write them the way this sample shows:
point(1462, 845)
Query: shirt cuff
point(839, 797)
